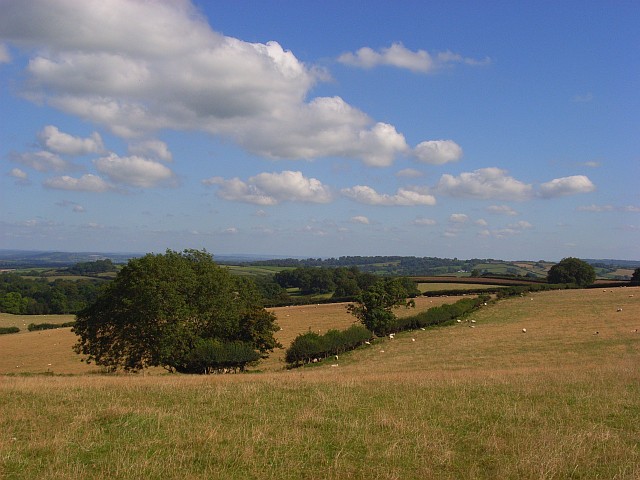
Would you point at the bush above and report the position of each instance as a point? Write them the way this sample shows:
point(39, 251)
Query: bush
point(439, 315)
point(310, 345)
point(48, 326)
point(7, 330)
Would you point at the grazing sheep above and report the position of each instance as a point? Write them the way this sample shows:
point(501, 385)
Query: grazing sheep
point(392, 336)
point(596, 333)
point(334, 365)
point(619, 309)
point(473, 321)
point(422, 329)
point(367, 342)
point(413, 339)
point(524, 330)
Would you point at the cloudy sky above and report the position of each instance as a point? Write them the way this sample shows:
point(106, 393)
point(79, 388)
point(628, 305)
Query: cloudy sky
point(505, 130)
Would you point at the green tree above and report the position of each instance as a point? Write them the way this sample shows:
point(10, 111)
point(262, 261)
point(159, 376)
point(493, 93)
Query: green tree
point(635, 278)
point(572, 270)
point(374, 306)
point(178, 311)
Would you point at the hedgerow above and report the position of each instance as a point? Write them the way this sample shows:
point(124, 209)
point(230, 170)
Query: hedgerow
point(48, 326)
point(311, 345)
point(8, 330)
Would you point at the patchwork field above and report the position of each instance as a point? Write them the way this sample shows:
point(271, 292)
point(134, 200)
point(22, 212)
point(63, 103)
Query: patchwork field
point(559, 401)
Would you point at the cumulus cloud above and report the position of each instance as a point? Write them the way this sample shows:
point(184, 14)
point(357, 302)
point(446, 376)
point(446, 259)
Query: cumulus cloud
point(153, 148)
point(458, 218)
point(134, 171)
point(484, 183)
point(139, 67)
point(399, 56)
point(18, 174)
point(361, 219)
point(560, 187)
point(272, 189)
point(86, 183)
point(5, 57)
point(409, 173)
point(42, 161)
point(481, 222)
point(438, 152)
point(521, 225)
point(424, 222)
point(501, 210)
point(56, 141)
point(403, 197)
point(608, 208)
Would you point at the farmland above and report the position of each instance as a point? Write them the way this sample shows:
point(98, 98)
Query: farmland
point(559, 401)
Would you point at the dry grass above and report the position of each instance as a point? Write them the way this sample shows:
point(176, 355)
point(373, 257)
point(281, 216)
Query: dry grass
point(456, 402)
point(50, 350)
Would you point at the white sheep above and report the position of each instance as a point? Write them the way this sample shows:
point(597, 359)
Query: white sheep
point(524, 330)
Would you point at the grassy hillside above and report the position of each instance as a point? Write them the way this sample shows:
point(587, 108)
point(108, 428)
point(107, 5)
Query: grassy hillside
point(558, 401)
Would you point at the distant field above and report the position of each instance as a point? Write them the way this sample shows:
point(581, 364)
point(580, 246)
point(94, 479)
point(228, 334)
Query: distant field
point(33, 351)
point(435, 287)
point(489, 402)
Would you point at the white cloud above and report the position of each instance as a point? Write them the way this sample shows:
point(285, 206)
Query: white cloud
point(582, 98)
point(56, 141)
point(409, 173)
point(138, 67)
point(361, 219)
point(153, 148)
point(403, 197)
point(481, 222)
point(18, 174)
point(424, 222)
point(592, 164)
point(134, 171)
point(501, 210)
point(438, 152)
point(5, 57)
point(631, 208)
point(458, 218)
point(484, 183)
point(397, 55)
point(86, 183)
point(521, 225)
point(42, 161)
point(272, 188)
point(560, 187)
point(596, 208)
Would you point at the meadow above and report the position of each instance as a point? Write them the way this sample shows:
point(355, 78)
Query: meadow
point(559, 401)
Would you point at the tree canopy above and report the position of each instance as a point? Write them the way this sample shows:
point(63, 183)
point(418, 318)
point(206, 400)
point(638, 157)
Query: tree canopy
point(179, 311)
point(374, 306)
point(635, 278)
point(572, 270)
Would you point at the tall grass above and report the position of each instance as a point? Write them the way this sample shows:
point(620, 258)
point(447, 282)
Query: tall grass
point(457, 402)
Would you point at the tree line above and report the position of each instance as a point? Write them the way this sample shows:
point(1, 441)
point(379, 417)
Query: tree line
point(38, 296)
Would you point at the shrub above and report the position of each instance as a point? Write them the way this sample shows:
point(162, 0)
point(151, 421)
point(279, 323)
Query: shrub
point(307, 346)
point(48, 326)
point(7, 330)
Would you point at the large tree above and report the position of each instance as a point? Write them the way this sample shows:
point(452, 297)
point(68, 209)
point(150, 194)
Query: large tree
point(572, 270)
point(374, 306)
point(635, 278)
point(179, 311)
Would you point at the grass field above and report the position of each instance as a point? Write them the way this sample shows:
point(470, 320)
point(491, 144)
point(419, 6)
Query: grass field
point(436, 287)
point(489, 402)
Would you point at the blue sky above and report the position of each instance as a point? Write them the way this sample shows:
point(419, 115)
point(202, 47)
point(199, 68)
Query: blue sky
point(455, 129)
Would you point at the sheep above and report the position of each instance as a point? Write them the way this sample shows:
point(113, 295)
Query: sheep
point(473, 321)
point(596, 333)
point(524, 330)
point(619, 309)
point(413, 339)
point(392, 336)
point(367, 342)
point(334, 365)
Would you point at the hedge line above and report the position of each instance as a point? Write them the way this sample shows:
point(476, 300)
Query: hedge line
point(309, 346)
point(7, 330)
point(48, 326)
point(439, 315)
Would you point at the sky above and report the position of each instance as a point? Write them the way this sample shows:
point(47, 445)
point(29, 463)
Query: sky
point(506, 130)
